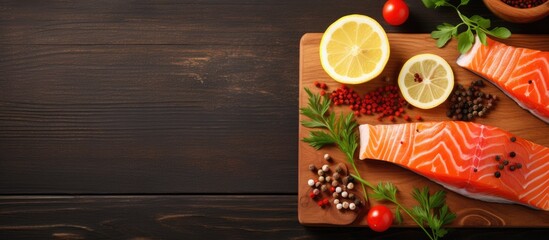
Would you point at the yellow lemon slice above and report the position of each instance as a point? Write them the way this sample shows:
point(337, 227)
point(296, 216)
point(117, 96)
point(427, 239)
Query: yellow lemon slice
point(426, 80)
point(354, 49)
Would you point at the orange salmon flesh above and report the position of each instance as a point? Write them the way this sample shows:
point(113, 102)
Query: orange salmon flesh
point(521, 73)
point(461, 156)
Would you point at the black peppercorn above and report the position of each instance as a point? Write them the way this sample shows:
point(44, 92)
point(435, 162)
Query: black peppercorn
point(512, 167)
point(498, 157)
point(350, 179)
point(505, 162)
point(497, 174)
point(500, 167)
point(519, 166)
point(475, 170)
point(513, 139)
point(512, 154)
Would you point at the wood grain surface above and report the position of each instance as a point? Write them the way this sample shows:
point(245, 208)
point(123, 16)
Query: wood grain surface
point(173, 102)
point(190, 217)
point(507, 115)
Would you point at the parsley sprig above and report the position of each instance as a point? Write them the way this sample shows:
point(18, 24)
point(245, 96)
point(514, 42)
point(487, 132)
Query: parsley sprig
point(341, 130)
point(475, 23)
point(432, 211)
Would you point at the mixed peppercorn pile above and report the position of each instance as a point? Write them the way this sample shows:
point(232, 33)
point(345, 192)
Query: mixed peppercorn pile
point(524, 3)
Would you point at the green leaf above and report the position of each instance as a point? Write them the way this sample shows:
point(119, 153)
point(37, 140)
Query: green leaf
point(441, 42)
point(443, 34)
point(319, 139)
point(465, 41)
point(437, 200)
point(482, 36)
point(428, 3)
point(398, 215)
point(480, 21)
point(440, 3)
point(500, 32)
point(464, 2)
point(312, 124)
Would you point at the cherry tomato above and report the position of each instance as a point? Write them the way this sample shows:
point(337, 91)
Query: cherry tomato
point(395, 12)
point(380, 218)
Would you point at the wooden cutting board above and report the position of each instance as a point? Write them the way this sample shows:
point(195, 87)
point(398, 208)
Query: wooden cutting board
point(470, 213)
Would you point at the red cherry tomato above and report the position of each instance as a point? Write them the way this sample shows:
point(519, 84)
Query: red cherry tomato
point(395, 12)
point(380, 218)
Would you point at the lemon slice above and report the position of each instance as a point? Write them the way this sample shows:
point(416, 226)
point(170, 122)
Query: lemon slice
point(426, 80)
point(354, 49)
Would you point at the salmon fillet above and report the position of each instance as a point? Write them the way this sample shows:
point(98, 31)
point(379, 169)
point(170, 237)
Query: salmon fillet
point(466, 158)
point(521, 73)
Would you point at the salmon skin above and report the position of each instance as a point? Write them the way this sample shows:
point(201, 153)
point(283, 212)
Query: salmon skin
point(474, 160)
point(521, 73)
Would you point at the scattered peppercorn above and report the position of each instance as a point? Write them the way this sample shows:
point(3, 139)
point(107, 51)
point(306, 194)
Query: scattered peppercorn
point(328, 158)
point(325, 168)
point(351, 179)
point(505, 162)
point(339, 169)
point(466, 104)
point(513, 139)
point(325, 201)
point(352, 206)
point(498, 157)
point(312, 167)
point(323, 86)
point(321, 179)
point(497, 174)
point(519, 166)
point(350, 185)
point(529, 81)
point(324, 188)
point(512, 167)
point(311, 182)
point(475, 170)
point(351, 196)
point(316, 191)
point(512, 154)
point(501, 166)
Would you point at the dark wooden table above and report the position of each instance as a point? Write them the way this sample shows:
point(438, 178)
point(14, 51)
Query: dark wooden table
point(168, 119)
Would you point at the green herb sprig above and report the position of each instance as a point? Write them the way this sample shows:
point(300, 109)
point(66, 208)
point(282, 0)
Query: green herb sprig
point(432, 210)
point(341, 130)
point(475, 23)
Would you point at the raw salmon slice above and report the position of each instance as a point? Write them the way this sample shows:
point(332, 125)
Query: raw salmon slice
point(461, 156)
point(521, 73)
